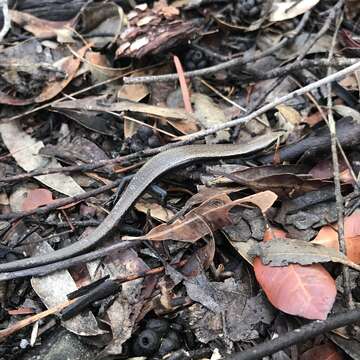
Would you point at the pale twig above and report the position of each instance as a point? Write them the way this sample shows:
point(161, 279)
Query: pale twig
point(32, 319)
point(255, 74)
point(338, 195)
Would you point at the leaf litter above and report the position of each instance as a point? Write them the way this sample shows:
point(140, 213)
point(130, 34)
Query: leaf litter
point(217, 249)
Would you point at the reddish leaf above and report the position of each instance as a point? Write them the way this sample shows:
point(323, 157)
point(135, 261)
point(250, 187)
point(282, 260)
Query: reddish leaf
point(183, 85)
point(36, 198)
point(322, 352)
point(308, 291)
point(328, 237)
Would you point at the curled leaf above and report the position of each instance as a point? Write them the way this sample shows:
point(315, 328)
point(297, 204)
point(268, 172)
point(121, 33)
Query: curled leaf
point(209, 216)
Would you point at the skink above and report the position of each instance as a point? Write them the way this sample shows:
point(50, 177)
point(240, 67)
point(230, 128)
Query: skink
point(154, 168)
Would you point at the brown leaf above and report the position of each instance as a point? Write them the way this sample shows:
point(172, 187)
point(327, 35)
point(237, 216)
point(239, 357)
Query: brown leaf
point(70, 66)
point(328, 237)
point(322, 352)
point(210, 216)
point(41, 28)
point(324, 170)
point(199, 260)
point(94, 104)
point(307, 291)
point(10, 100)
point(36, 198)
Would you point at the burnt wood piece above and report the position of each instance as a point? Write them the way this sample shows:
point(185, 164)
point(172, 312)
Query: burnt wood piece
point(348, 134)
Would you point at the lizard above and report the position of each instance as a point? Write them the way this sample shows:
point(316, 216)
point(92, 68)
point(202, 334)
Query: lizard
point(151, 170)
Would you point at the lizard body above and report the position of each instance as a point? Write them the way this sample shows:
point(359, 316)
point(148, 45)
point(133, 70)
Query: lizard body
point(154, 168)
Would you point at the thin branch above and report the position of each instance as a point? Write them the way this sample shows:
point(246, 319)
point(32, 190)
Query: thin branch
point(32, 319)
point(338, 195)
point(254, 74)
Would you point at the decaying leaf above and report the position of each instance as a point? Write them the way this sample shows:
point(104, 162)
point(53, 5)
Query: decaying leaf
point(284, 185)
point(280, 252)
point(125, 308)
point(41, 28)
point(98, 104)
point(308, 291)
point(53, 289)
point(199, 260)
point(241, 317)
point(69, 65)
point(208, 115)
point(25, 151)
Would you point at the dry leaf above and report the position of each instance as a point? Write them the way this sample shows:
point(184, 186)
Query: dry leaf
point(94, 104)
point(53, 289)
point(208, 115)
point(154, 209)
point(36, 198)
point(289, 114)
point(41, 28)
point(328, 237)
point(288, 9)
point(209, 216)
point(25, 149)
point(183, 85)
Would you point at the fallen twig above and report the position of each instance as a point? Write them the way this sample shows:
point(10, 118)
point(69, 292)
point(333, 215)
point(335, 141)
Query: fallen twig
point(31, 319)
point(338, 196)
point(64, 264)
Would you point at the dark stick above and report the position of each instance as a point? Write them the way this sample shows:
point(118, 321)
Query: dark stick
point(297, 336)
point(64, 264)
